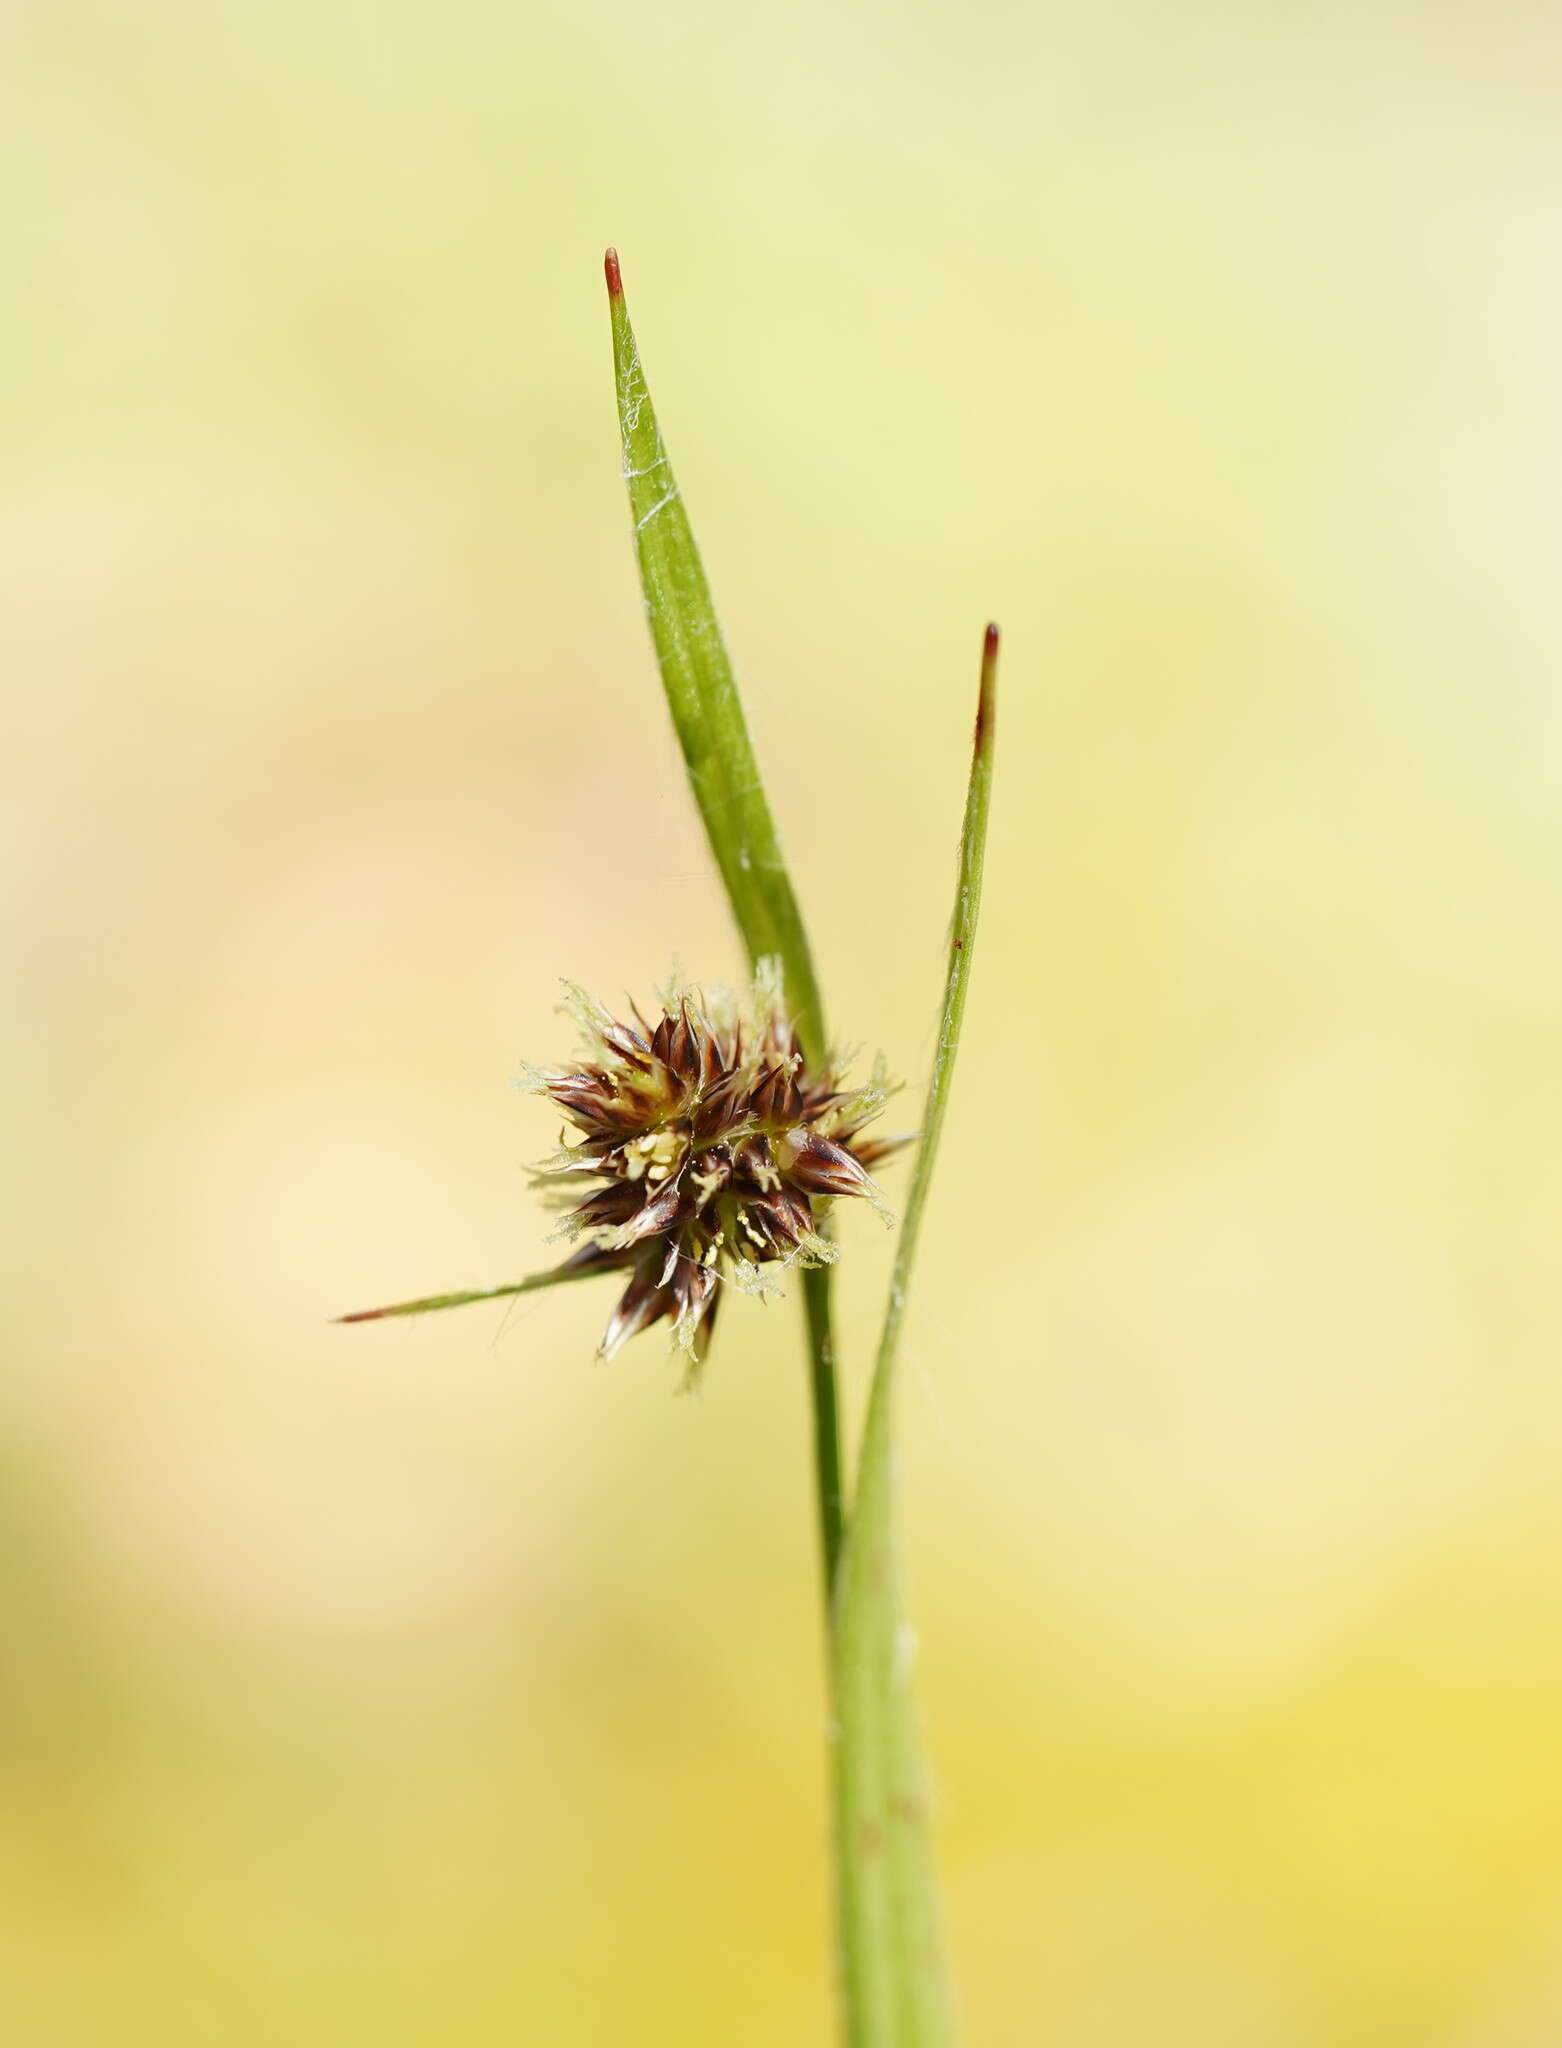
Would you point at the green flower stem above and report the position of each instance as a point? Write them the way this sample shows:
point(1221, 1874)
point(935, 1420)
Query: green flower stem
point(817, 1306)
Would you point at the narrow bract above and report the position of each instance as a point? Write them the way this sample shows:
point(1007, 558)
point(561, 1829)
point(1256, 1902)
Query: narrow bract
point(709, 1149)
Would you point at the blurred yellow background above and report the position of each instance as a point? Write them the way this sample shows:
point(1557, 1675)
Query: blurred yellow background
point(437, 1684)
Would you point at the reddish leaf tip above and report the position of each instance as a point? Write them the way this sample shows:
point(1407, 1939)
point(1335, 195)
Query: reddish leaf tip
point(360, 1315)
point(615, 277)
point(984, 701)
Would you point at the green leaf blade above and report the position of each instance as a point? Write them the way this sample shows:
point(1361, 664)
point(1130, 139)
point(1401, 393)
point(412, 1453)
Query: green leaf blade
point(703, 696)
point(895, 1987)
point(708, 717)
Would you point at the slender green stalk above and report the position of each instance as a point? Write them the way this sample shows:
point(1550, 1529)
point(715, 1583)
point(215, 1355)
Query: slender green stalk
point(968, 898)
point(427, 1303)
point(817, 1306)
point(894, 1986)
point(707, 715)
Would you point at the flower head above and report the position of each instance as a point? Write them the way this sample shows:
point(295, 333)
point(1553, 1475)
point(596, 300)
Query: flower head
point(705, 1146)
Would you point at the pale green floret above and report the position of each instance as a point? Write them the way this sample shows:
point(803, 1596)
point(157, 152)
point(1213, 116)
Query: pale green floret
point(769, 989)
point(814, 1250)
point(747, 1278)
point(861, 1105)
point(590, 1018)
point(537, 1080)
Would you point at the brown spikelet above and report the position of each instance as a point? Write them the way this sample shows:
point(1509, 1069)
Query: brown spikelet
point(704, 1145)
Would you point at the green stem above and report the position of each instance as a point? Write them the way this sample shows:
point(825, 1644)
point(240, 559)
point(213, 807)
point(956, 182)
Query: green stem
point(827, 1428)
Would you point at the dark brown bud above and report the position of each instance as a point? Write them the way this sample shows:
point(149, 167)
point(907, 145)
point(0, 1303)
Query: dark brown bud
point(643, 1302)
point(653, 1216)
point(818, 1164)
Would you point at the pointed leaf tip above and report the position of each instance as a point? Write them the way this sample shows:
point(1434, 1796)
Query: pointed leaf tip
point(986, 698)
point(615, 277)
point(570, 1270)
point(702, 695)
